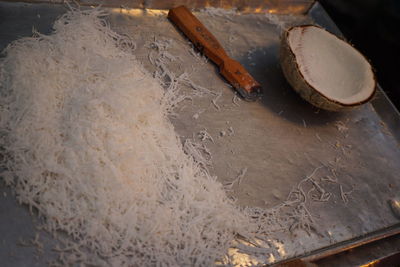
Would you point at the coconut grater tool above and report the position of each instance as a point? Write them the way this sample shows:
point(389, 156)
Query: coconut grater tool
point(206, 43)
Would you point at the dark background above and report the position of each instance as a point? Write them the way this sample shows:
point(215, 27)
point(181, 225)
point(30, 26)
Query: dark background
point(373, 26)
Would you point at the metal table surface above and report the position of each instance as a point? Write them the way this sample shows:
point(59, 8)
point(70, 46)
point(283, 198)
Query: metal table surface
point(280, 139)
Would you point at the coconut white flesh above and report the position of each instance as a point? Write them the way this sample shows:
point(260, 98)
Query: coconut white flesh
point(331, 66)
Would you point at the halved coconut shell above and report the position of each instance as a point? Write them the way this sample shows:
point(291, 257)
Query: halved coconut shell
point(325, 70)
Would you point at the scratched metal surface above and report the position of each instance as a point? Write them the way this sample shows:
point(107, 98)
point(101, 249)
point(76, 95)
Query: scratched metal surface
point(280, 139)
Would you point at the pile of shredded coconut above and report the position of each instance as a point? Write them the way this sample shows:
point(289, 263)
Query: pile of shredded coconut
point(88, 144)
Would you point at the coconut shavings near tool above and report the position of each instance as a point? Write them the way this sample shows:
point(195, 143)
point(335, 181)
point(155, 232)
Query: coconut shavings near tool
point(229, 68)
point(325, 70)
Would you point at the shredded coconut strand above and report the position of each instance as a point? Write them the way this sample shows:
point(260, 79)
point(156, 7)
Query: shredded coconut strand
point(204, 135)
point(214, 101)
point(235, 100)
point(231, 131)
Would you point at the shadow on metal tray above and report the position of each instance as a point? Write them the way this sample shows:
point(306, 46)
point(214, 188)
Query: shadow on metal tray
point(278, 96)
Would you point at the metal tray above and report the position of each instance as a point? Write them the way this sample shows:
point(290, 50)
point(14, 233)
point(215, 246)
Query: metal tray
point(280, 139)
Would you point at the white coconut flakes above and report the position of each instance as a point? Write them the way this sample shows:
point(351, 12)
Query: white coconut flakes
point(91, 148)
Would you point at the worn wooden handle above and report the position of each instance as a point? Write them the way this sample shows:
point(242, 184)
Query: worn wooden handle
point(232, 70)
point(198, 34)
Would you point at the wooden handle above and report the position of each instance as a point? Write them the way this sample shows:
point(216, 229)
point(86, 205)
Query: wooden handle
point(198, 34)
point(232, 70)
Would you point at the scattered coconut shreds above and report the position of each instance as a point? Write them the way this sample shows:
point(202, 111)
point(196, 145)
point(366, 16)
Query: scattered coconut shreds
point(304, 123)
point(330, 179)
point(197, 114)
point(161, 59)
point(237, 180)
point(235, 100)
point(204, 135)
point(33, 242)
point(241, 174)
point(344, 195)
point(214, 101)
point(318, 137)
point(292, 213)
point(341, 127)
point(231, 131)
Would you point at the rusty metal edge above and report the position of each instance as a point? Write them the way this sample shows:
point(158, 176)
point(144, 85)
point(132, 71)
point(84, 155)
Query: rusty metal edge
point(353, 243)
point(344, 246)
point(260, 6)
